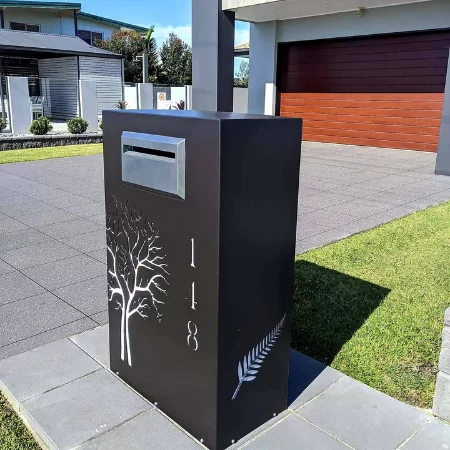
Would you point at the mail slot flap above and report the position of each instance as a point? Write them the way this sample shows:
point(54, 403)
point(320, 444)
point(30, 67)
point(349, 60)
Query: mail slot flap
point(154, 161)
point(152, 142)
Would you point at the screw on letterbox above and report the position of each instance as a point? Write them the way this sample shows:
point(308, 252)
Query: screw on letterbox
point(156, 403)
point(274, 414)
point(117, 373)
point(201, 440)
point(233, 441)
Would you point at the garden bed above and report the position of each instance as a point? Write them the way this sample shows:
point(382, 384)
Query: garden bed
point(18, 142)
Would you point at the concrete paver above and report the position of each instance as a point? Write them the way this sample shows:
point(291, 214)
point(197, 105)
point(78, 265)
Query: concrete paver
point(73, 403)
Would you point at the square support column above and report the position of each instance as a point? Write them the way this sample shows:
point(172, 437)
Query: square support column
point(212, 56)
point(443, 155)
point(144, 95)
point(19, 105)
point(88, 104)
point(263, 64)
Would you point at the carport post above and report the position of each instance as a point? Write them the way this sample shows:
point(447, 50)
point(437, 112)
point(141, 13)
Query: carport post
point(212, 56)
point(443, 155)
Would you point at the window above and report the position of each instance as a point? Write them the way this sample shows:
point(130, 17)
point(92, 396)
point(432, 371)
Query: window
point(90, 36)
point(25, 27)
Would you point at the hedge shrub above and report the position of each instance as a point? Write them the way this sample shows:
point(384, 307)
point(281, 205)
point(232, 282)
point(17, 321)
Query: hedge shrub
point(77, 125)
point(40, 126)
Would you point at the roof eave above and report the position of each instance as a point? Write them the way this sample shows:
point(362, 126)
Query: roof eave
point(107, 21)
point(109, 55)
point(39, 5)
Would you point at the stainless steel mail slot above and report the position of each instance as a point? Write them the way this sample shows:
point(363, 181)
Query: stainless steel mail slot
point(155, 162)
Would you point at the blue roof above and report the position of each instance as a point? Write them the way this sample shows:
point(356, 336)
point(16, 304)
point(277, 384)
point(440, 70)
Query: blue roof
point(116, 23)
point(26, 41)
point(34, 4)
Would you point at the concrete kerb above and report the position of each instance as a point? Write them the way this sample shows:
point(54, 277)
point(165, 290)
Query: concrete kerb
point(441, 404)
point(48, 140)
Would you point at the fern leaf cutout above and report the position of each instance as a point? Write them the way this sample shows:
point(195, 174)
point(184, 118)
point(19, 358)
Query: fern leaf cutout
point(249, 367)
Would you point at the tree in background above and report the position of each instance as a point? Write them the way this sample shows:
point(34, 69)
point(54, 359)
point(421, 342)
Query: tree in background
point(176, 62)
point(151, 51)
point(132, 44)
point(241, 76)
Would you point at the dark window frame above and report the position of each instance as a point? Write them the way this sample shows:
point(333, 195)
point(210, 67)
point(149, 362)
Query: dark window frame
point(93, 35)
point(17, 26)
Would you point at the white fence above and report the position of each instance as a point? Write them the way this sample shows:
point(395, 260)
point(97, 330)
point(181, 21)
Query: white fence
point(138, 95)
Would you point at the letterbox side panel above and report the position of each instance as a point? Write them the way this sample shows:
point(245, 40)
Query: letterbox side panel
point(166, 345)
point(258, 217)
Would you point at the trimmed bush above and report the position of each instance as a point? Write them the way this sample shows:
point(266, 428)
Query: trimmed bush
point(77, 125)
point(40, 126)
point(2, 124)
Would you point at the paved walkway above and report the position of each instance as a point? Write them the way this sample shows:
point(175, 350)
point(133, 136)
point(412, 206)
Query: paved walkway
point(347, 189)
point(52, 243)
point(70, 399)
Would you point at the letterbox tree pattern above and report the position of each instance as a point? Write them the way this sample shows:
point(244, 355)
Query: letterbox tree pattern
point(248, 369)
point(138, 275)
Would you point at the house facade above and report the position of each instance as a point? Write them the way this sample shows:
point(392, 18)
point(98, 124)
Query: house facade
point(51, 44)
point(358, 72)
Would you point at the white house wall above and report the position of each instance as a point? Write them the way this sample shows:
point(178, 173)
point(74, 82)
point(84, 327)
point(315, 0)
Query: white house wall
point(265, 36)
point(50, 22)
point(91, 25)
point(58, 79)
point(108, 75)
point(394, 19)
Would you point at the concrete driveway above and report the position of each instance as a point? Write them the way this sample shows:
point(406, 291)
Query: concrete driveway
point(52, 244)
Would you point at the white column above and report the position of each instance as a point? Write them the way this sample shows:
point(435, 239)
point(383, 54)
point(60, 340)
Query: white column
point(88, 104)
point(19, 105)
point(263, 63)
point(188, 90)
point(443, 154)
point(145, 95)
point(270, 99)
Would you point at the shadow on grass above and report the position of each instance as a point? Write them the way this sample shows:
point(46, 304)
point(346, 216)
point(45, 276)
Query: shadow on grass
point(329, 307)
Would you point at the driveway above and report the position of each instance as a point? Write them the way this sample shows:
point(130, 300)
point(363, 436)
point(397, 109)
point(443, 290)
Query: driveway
point(52, 244)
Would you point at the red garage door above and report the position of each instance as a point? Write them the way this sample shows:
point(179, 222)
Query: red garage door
point(384, 91)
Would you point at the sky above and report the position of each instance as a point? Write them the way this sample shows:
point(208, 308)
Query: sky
point(166, 15)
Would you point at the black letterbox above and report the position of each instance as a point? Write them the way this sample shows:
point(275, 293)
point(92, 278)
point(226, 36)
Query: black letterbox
point(201, 225)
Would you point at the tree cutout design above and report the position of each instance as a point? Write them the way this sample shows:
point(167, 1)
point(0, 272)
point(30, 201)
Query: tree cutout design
point(137, 277)
point(249, 368)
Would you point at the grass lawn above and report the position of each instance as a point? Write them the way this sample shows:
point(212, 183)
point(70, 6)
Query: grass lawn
point(13, 434)
point(372, 305)
point(33, 154)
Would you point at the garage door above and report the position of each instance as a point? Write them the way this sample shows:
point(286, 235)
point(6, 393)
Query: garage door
point(384, 91)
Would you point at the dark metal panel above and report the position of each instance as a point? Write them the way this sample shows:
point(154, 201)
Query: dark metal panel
point(258, 218)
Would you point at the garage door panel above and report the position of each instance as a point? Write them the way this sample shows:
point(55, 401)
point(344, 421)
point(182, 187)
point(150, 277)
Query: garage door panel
point(368, 48)
point(313, 57)
point(323, 66)
point(408, 121)
point(374, 127)
point(363, 73)
point(385, 90)
point(379, 104)
point(376, 97)
point(396, 137)
point(362, 89)
point(363, 112)
point(412, 38)
point(371, 142)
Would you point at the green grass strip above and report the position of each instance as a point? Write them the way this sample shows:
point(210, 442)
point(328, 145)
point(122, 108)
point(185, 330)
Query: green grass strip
point(33, 154)
point(13, 433)
point(372, 305)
